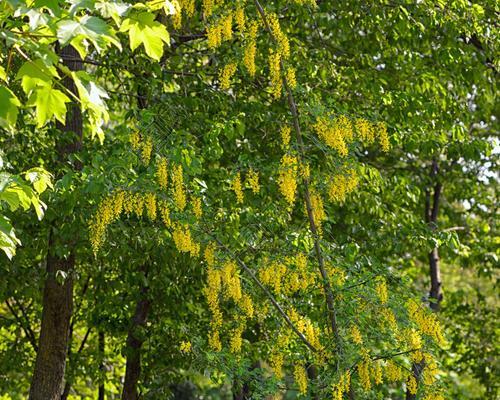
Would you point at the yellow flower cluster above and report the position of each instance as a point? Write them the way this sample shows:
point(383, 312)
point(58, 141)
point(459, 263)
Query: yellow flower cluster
point(287, 179)
point(108, 211)
point(235, 341)
point(281, 39)
point(364, 374)
point(275, 73)
point(146, 150)
point(253, 180)
point(231, 281)
point(356, 335)
point(165, 213)
point(337, 275)
point(305, 326)
point(427, 322)
point(381, 289)
point(135, 140)
point(272, 275)
point(162, 173)
point(251, 49)
point(185, 347)
point(300, 376)
point(211, 292)
point(276, 362)
point(389, 317)
point(237, 188)
point(196, 204)
point(334, 133)
point(150, 203)
point(226, 74)
point(377, 373)
point(393, 372)
point(290, 77)
point(246, 305)
point(342, 386)
point(178, 183)
point(209, 255)
point(318, 210)
point(285, 134)
point(411, 384)
point(342, 185)
point(220, 31)
point(365, 130)
point(383, 137)
point(183, 240)
point(239, 16)
point(433, 396)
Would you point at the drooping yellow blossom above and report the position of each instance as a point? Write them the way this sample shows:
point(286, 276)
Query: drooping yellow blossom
point(383, 137)
point(342, 185)
point(214, 341)
point(356, 335)
point(285, 134)
point(430, 370)
point(318, 210)
point(178, 183)
point(177, 15)
point(239, 16)
point(328, 132)
point(433, 396)
point(150, 202)
point(231, 280)
point(364, 374)
point(237, 188)
point(209, 255)
point(138, 204)
point(342, 386)
point(275, 73)
point(214, 36)
point(208, 7)
point(146, 149)
point(162, 173)
point(281, 39)
point(227, 27)
point(381, 289)
point(276, 363)
point(411, 384)
point(389, 317)
point(272, 274)
point(188, 6)
point(185, 347)
point(426, 321)
point(287, 179)
point(225, 75)
point(135, 140)
point(300, 376)
point(246, 305)
point(364, 130)
point(196, 204)
point(165, 213)
point(393, 372)
point(253, 180)
point(290, 77)
point(183, 240)
point(235, 340)
point(251, 49)
point(377, 373)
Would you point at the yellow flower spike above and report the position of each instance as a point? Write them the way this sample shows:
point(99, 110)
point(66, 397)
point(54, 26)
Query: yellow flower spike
point(138, 204)
point(364, 374)
point(356, 335)
point(287, 178)
point(165, 213)
point(290, 77)
point(393, 372)
point(182, 238)
point(246, 305)
point(253, 180)
point(239, 16)
point(146, 150)
point(285, 134)
point(185, 347)
point(318, 211)
point(162, 173)
point(150, 201)
point(178, 183)
point(251, 49)
point(381, 289)
point(411, 384)
point(300, 376)
point(342, 185)
point(377, 374)
point(214, 36)
point(383, 137)
point(135, 140)
point(225, 75)
point(332, 133)
point(276, 362)
point(214, 341)
point(237, 188)
point(227, 27)
point(196, 204)
point(209, 255)
point(208, 7)
point(275, 73)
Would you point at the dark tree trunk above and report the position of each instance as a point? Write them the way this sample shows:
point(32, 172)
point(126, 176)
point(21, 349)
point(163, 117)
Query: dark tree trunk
point(102, 343)
point(48, 376)
point(135, 340)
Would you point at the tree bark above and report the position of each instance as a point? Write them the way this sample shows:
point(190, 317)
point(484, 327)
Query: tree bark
point(102, 344)
point(134, 344)
point(48, 376)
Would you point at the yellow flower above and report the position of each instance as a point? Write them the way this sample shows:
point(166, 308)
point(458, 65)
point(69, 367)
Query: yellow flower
point(383, 137)
point(275, 73)
point(225, 76)
point(235, 340)
point(236, 184)
point(135, 139)
point(377, 373)
point(334, 133)
point(196, 203)
point(285, 134)
point(214, 36)
point(364, 374)
point(411, 384)
point(185, 347)
point(381, 289)
point(318, 211)
point(251, 49)
point(290, 77)
point(227, 27)
point(162, 173)
point(253, 180)
point(150, 200)
point(239, 16)
point(342, 185)
point(393, 372)
point(209, 254)
point(146, 149)
point(165, 213)
point(287, 179)
point(300, 376)
point(356, 335)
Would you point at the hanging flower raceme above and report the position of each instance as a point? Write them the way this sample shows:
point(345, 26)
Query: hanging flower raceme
point(162, 173)
point(225, 75)
point(178, 187)
point(237, 188)
point(342, 185)
point(253, 180)
point(287, 178)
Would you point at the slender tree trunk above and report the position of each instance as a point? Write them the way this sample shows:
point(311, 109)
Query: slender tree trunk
point(102, 344)
point(48, 376)
point(134, 344)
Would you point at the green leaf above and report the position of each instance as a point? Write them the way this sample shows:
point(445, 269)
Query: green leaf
point(35, 74)
point(115, 10)
point(39, 178)
point(49, 102)
point(8, 239)
point(143, 29)
point(9, 104)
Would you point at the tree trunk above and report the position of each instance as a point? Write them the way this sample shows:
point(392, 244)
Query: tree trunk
point(134, 344)
point(48, 376)
point(100, 391)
